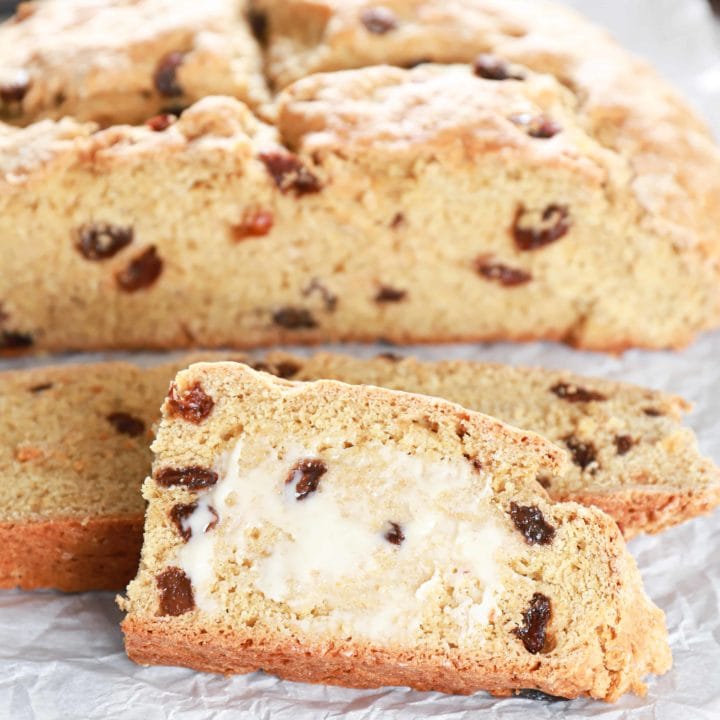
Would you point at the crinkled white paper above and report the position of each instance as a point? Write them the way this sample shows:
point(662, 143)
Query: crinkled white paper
point(61, 656)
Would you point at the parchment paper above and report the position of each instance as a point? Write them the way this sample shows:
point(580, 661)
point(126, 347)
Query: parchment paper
point(61, 656)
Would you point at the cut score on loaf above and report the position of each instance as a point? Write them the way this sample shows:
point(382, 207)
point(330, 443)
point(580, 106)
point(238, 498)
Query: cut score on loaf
point(365, 537)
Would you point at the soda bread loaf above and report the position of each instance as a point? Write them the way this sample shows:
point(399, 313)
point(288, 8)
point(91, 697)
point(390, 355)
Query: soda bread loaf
point(429, 204)
point(359, 536)
point(123, 61)
point(75, 444)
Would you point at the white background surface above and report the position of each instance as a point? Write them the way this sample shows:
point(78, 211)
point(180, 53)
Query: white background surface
point(61, 656)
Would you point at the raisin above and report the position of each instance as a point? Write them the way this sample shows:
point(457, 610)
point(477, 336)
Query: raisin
point(306, 476)
point(378, 20)
point(397, 221)
point(176, 593)
point(258, 22)
point(182, 512)
point(13, 340)
point(284, 369)
point(623, 443)
point(530, 522)
point(477, 465)
point(141, 272)
point(290, 174)
point(535, 620)
point(386, 294)
point(554, 224)
point(537, 126)
point(545, 481)
point(583, 453)
point(192, 404)
point(255, 223)
point(165, 77)
point(14, 92)
point(491, 67)
point(294, 318)
point(575, 393)
point(161, 122)
point(652, 412)
point(126, 424)
point(461, 430)
point(532, 694)
point(329, 298)
point(502, 274)
point(392, 357)
point(100, 241)
point(192, 477)
point(35, 389)
point(395, 535)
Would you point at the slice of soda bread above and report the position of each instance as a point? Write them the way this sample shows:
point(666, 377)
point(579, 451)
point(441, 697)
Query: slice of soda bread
point(360, 536)
point(72, 461)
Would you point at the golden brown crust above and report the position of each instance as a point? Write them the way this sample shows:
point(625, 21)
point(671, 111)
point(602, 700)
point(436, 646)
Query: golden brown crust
point(152, 642)
point(69, 554)
point(646, 511)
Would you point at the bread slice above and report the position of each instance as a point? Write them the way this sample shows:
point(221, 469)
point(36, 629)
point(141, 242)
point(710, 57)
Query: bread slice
point(73, 455)
point(360, 536)
point(411, 205)
point(114, 61)
point(74, 450)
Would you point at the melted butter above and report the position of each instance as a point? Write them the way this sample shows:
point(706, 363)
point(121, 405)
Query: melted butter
point(328, 559)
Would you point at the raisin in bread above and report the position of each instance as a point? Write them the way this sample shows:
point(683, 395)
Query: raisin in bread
point(77, 457)
point(116, 61)
point(352, 535)
point(415, 205)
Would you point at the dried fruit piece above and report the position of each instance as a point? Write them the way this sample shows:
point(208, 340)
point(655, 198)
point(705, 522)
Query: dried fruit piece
point(329, 298)
point(126, 424)
point(258, 22)
point(491, 67)
point(289, 173)
point(623, 443)
point(192, 404)
point(531, 694)
point(397, 221)
point(530, 521)
point(176, 593)
point(652, 412)
point(305, 475)
point(192, 477)
point(583, 453)
point(165, 77)
point(14, 340)
point(535, 620)
point(35, 389)
point(294, 318)
point(16, 90)
point(386, 294)
point(141, 272)
point(161, 122)
point(254, 223)
point(533, 230)
point(379, 20)
point(392, 357)
point(575, 393)
point(182, 511)
point(395, 535)
point(503, 274)
point(536, 126)
point(100, 241)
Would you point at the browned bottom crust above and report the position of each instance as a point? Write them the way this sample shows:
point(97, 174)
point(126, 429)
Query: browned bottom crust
point(273, 338)
point(71, 555)
point(153, 643)
point(647, 511)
